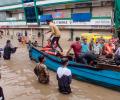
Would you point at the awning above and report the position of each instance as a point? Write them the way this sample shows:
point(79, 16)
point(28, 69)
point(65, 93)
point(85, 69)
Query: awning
point(56, 2)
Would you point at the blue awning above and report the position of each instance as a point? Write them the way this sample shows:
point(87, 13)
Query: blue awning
point(44, 18)
point(81, 17)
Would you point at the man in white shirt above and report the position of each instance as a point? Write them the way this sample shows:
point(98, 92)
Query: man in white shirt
point(64, 77)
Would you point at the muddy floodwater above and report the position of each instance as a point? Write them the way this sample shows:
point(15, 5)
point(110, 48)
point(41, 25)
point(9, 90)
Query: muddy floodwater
point(19, 82)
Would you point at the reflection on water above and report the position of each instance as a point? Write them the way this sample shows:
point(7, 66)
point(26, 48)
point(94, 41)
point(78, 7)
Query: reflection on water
point(20, 83)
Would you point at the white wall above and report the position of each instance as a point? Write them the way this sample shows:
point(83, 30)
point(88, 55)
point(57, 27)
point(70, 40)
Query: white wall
point(81, 10)
point(2, 16)
point(102, 11)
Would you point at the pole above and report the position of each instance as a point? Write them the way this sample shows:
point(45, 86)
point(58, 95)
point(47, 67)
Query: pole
point(42, 38)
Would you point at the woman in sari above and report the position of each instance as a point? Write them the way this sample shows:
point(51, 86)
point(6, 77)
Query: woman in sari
point(8, 50)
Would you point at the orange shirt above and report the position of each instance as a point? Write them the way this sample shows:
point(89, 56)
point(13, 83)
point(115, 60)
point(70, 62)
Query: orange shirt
point(108, 48)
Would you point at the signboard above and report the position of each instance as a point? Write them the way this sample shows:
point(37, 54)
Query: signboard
point(89, 36)
point(58, 15)
point(81, 17)
point(31, 4)
point(17, 23)
point(104, 22)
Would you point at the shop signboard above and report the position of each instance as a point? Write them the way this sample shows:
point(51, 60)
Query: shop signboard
point(104, 22)
point(18, 23)
point(58, 15)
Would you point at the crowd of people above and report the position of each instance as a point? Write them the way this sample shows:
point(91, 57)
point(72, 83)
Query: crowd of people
point(85, 51)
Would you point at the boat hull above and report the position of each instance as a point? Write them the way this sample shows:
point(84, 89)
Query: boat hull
point(107, 78)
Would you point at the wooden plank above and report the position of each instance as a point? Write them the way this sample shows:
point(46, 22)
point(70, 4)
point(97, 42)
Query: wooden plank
point(107, 66)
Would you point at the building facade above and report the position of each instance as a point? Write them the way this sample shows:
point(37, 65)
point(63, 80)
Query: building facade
point(17, 15)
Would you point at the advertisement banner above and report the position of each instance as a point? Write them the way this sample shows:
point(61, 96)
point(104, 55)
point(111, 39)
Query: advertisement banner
point(104, 22)
point(58, 15)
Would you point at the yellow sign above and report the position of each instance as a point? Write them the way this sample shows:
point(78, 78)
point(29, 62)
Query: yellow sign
point(89, 36)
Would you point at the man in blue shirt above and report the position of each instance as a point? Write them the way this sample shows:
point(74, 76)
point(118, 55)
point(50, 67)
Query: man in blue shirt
point(85, 46)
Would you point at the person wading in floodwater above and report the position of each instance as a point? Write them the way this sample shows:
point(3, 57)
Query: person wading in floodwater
point(41, 71)
point(1, 92)
point(8, 50)
point(55, 34)
point(64, 77)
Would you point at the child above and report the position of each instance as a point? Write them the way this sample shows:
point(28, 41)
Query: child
point(64, 77)
point(41, 71)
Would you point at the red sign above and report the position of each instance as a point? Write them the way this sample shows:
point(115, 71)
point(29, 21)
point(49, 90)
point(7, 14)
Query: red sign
point(58, 15)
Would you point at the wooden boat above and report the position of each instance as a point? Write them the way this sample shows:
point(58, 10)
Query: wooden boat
point(101, 75)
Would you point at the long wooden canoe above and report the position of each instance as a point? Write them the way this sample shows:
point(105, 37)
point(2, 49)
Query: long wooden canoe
point(105, 77)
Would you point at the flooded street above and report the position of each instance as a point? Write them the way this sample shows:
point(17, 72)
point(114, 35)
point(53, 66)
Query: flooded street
point(19, 82)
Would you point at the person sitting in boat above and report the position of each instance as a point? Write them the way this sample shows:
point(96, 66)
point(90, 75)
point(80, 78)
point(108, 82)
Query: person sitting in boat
point(117, 56)
point(76, 46)
point(35, 44)
point(88, 58)
point(91, 44)
point(64, 77)
point(108, 49)
point(101, 42)
point(117, 44)
point(49, 44)
point(85, 46)
point(41, 71)
point(50, 51)
point(8, 50)
point(97, 49)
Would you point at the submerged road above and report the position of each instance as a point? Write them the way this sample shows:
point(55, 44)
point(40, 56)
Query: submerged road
point(20, 83)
